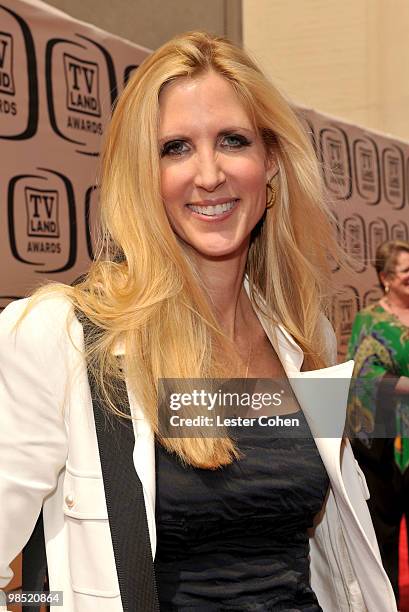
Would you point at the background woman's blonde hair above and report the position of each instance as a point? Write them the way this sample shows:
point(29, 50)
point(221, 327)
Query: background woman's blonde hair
point(143, 290)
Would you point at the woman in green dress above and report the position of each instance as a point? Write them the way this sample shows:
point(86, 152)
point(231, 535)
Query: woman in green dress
point(379, 402)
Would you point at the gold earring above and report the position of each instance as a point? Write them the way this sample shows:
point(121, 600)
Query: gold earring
point(271, 194)
point(386, 288)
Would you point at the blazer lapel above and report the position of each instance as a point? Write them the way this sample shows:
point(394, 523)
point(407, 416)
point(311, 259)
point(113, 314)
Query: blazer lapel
point(323, 396)
point(324, 410)
point(144, 464)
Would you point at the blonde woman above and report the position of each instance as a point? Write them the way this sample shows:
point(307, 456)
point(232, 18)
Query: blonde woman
point(210, 266)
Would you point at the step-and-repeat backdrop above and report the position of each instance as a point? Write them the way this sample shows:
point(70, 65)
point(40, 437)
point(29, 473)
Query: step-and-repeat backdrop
point(58, 81)
point(367, 178)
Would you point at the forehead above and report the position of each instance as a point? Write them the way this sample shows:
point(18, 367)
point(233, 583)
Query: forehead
point(402, 259)
point(202, 101)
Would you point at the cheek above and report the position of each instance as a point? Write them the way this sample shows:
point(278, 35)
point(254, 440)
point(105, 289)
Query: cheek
point(174, 185)
point(252, 177)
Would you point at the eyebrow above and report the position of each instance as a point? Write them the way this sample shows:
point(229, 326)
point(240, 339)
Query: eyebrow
point(223, 132)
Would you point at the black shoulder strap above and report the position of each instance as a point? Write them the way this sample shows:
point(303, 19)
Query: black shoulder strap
point(125, 505)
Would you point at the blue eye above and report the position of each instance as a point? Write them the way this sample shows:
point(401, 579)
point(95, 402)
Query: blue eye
point(174, 147)
point(235, 141)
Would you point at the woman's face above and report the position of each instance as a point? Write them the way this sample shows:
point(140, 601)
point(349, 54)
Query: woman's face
point(399, 281)
point(214, 166)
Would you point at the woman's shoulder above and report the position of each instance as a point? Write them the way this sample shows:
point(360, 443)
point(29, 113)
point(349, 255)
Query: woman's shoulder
point(374, 310)
point(42, 317)
point(371, 314)
point(38, 305)
point(41, 344)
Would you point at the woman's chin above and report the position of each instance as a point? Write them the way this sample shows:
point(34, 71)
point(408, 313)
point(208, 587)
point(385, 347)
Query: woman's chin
point(219, 252)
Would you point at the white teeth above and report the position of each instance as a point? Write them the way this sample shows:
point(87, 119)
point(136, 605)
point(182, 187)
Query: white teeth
point(212, 211)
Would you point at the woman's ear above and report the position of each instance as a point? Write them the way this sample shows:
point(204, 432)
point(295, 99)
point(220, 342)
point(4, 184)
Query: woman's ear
point(272, 168)
point(383, 278)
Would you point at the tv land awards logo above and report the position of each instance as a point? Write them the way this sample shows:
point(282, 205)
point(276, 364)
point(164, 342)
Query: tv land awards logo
point(42, 220)
point(354, 239)
point(42, 213)
point(344, 309)
point(378, 233)
point(6, 66)
point(367, 170)
point(80, 110)
point(82, 86)
point(393, 176)
point(335, 157)
point(18, 78)
point(399, 231)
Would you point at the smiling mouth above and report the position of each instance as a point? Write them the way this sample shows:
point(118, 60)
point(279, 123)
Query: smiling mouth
point(214, 210)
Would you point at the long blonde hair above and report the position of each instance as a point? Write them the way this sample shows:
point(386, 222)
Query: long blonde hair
point(141, 288)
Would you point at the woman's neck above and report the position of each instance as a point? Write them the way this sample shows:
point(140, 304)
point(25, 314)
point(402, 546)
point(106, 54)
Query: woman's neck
point(397, 308)
point(223, 281)
point(396, 302)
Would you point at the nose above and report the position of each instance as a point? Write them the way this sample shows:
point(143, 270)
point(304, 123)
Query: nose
point(209, 172)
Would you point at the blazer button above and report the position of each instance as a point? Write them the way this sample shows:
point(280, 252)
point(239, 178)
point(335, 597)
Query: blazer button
point(69, 500)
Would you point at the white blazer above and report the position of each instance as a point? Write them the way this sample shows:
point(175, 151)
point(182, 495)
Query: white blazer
point(49, 455)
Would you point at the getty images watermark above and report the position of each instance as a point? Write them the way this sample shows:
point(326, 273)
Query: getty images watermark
point(326, 407)
point(187, 407)
point(211, 401)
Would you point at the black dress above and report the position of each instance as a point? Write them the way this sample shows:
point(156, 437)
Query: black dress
point(236, 538)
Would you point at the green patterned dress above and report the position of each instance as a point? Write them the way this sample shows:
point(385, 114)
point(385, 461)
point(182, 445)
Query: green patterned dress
point(379, 344)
